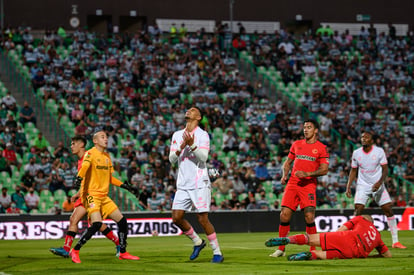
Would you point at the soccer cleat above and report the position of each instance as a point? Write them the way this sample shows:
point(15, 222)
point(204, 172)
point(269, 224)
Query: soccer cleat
point(74, 254)
point(398, 245)
point(278, 253)
point(217, 259)
point(277, 241)
point(60, 251)
point(197, 249)
point(118, 250)
point(127, 256)
point(302, 256)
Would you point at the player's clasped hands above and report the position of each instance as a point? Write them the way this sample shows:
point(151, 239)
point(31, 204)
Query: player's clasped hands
point(188, 139)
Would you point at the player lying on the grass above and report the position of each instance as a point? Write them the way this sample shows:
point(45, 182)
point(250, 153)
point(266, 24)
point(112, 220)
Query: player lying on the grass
point(77, 146)
point(356, 238)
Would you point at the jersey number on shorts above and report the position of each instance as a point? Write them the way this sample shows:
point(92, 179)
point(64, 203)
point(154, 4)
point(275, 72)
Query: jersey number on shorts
point(311, 197)
point(90, 199)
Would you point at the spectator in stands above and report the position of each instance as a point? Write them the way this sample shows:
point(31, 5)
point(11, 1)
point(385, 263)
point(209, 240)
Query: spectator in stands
point(27, 182)
point(263, 202)
point(10, 124)
point(252, 204)
point(55, 181)
point(13, 209)
point(41, 181)
point(18, 199)
point(32, 167)
point(332, 196)
point(10, 102)
point(321, 195)
point(223, 184)
point(143, 197)
point(238, 185)
point(154, 203)
point(77, 114)
point(45, 164)
point(233, 200)
point(81, 129)
point(27, 114)
point(32, 200)
point(40, 143)
point(262, 174)
point(38, 79)
point(5, 200)
point(229, 141)
point(4, 164)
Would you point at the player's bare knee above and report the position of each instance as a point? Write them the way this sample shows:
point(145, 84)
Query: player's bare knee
point(285, 215)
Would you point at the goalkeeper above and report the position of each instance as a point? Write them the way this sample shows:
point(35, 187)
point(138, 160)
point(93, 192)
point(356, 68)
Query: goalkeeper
point(94, 177)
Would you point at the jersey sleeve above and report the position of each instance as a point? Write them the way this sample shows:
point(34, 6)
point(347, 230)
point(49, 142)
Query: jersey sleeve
point(292, 151)
point(381, 248)
point(354, 162)
point(174, 143)
point(86, 163)
point(204, 142)
point(382, 157)
point(352, 222)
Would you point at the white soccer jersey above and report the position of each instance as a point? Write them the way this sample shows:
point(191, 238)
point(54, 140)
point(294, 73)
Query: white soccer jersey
point(369, 165)
point(192, 173)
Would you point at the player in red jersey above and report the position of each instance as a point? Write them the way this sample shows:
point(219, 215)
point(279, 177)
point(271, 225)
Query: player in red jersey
point(310, 160)
point(354, 239)
point(78, 148)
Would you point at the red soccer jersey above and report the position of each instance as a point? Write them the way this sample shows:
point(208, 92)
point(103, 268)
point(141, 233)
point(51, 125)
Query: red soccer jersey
point(80, 162)
point(10, 155)
point(367, 236)
point(307, 157)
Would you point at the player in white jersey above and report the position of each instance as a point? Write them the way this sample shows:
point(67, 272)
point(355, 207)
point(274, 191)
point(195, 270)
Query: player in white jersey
point(372, 166)
point(190, 147)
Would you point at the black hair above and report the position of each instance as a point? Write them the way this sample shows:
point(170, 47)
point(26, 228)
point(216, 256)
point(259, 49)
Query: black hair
point(314, 122)
point(81, 139)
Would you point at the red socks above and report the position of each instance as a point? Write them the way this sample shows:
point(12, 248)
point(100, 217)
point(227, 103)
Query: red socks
point(300, 239)
point(283, 232)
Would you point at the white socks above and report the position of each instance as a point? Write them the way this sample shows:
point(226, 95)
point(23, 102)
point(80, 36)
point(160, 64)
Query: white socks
point(392, 224)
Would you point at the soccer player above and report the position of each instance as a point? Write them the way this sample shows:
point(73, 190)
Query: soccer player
point(94, 177)
point(310, 160)
point(78, 148)
point(372, 165)
point(190, 147)
point(354, 239)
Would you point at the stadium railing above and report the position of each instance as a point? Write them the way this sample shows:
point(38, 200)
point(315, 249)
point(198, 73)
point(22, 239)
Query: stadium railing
point(12, 69)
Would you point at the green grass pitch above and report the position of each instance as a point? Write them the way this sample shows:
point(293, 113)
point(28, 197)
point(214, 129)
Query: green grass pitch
point(244, 253)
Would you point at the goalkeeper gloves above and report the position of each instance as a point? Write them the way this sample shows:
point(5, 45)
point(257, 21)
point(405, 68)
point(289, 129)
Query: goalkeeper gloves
point(77, 183)
point(131, 188)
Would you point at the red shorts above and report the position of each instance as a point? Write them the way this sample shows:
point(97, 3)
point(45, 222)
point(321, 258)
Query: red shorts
point(295, 195)
point(339, 245)
point(78, 202)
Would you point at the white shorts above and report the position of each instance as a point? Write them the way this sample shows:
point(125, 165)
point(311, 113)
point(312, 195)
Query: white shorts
point(200, 198)
point(364, 192)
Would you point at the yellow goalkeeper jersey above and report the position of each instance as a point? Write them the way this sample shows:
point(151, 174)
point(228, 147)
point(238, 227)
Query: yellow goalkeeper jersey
point(97, 171)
